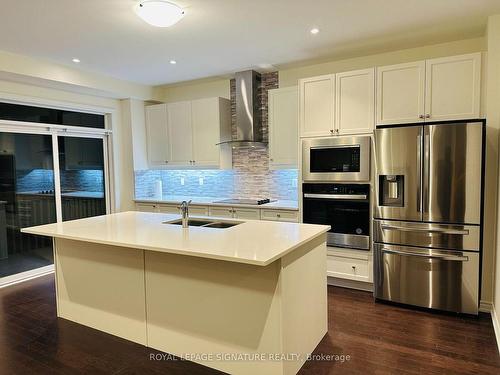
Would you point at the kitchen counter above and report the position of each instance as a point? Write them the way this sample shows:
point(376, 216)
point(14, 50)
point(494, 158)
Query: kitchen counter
point(211, 201)
point(252, 242)
point(249, 299)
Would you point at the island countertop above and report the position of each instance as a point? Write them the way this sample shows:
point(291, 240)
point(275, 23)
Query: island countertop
point(251, 242)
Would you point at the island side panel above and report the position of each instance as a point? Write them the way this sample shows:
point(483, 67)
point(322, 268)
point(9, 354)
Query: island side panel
point(304, 300)
point(204, 306)
point(102, 287)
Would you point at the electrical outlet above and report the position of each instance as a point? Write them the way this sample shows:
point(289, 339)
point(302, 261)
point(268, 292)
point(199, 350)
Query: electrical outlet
point(182, 181)
point(201, 181)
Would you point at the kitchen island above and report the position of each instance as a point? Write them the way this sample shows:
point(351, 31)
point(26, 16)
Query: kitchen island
point(248, 298)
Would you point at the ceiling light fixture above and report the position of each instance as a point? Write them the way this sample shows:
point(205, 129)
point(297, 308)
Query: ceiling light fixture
point(173, 62)
point(314, 31)
point(159, 13)
point(75, 60)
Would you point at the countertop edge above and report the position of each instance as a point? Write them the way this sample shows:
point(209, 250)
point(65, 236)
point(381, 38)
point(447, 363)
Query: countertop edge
point(267, 262)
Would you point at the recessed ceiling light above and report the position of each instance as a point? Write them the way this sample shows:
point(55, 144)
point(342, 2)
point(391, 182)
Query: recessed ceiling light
point(314, 31)
point(159, 13)
point(173, 62)
point(75, 60)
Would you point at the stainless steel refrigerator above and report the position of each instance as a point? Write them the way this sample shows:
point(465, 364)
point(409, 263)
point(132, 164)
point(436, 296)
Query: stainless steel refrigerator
point(427, 215)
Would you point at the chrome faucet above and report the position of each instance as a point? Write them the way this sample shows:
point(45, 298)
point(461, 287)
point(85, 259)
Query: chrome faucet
point(185, 213)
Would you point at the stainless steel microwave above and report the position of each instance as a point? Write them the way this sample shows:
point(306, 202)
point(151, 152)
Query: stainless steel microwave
point(336, 159)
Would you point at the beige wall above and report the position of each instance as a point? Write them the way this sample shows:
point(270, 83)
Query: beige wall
point(493, 118)
point(289, 77)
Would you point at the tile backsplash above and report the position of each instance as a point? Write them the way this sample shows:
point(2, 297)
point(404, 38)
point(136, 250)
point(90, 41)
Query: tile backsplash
point(249, 178)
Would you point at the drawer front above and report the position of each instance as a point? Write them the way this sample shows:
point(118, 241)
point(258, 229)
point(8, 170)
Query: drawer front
point(280, 215)
point(221, 211)
point(348, 268)
point(246, 213)
point(169, 209)
point(198, 210)
point(146, 207)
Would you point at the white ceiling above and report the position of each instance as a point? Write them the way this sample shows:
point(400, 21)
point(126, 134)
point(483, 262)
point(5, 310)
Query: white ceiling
point(218, 37)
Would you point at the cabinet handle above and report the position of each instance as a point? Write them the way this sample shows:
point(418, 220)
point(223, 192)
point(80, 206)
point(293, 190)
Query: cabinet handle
point(337, 131)
point(427, 116)
point(331, 131)
point(166, 161)
point(421, 116)
point(271, 159)
point(278, 215)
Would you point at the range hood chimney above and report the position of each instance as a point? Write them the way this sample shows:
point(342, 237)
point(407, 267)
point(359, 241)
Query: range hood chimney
point(248, 114)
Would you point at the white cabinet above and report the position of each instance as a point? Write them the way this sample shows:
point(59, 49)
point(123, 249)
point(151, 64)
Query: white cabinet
point(226, 212)
point(194, 210)
point(283, 127)
point(452, 87)
point(441, 89)
point(400, 93)
point(185, 134)
point(235, 213)
point(157, 135)
point(317, 106)
point(355, 102)
point(349, 264)
point(280, 215)
point(211, 124)
point(180, 133)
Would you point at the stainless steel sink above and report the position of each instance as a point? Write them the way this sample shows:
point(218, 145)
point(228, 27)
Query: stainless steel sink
point(205, 223)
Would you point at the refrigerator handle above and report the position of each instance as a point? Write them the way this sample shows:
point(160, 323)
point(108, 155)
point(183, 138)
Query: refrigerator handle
point(455, 258)
point(426, 170)
point(419, 173)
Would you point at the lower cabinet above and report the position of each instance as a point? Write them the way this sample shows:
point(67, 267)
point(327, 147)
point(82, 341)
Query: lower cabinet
point(244, 213)
point(349, 264)
point(280, 215)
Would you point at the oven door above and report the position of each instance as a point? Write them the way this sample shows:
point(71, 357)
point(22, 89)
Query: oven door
point(348, 216)
point(336, 159)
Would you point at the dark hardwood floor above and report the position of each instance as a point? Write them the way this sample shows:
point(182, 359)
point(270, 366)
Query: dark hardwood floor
point(379, 339)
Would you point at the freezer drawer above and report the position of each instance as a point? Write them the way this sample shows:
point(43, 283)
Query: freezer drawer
point(441, 236)
point(443, 280)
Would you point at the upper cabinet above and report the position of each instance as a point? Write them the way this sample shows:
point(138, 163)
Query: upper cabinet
point(185, 134)
point(400, 93)
point(355, 102)
point(157, 135)
point(452, 87)
point(337, 104)
point(317, 105)
point(283, 127)
point(433, 90)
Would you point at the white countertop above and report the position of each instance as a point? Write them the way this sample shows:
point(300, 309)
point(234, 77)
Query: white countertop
point(252, 242)
point(211, 201)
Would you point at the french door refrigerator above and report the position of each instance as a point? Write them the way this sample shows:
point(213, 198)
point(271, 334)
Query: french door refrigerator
point(427, 215)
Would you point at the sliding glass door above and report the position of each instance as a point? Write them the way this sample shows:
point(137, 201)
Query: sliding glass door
point(26, 199)
point(81, 169)
point(46, 176)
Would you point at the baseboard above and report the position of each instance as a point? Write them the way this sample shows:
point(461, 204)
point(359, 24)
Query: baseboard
point(351, 284)
point(25, 276)
point(485, 306)
point(496, 325)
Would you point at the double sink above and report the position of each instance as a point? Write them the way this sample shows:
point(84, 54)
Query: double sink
point(206, 223)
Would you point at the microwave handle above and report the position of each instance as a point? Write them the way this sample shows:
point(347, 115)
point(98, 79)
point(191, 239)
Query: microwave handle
point(337, 196)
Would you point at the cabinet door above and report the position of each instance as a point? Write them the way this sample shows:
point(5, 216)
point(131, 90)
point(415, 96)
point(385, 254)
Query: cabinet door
point(355, 101)
point(180, 133)
point(317, 105)
point(453, 87)
point(157, 134)
point(246, 213)
point(283, 127)
point(400, 93)
point(226, 212)
point(206, 131)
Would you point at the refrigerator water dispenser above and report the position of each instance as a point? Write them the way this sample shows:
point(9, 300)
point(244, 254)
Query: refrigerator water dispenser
point(391, 190)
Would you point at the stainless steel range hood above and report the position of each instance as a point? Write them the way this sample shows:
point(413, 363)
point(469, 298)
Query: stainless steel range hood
point(248, 113)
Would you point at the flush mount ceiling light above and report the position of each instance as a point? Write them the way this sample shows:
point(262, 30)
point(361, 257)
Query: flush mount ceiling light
point(75, 60)
point(173, 62)
point(314, 31)
point(159, 13)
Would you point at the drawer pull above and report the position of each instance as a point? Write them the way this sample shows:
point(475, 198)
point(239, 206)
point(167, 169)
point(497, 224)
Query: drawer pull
point(463, 232)
point(455, 258)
